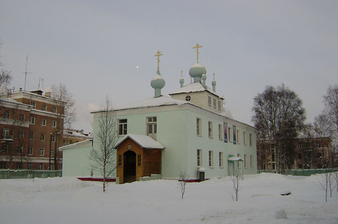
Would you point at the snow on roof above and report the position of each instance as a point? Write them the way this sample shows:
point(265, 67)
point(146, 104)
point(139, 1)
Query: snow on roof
point(193, 88)
point(143, 140)
point(235, 159)
point(85, 144)
point(75, 134)
point(9, 100)
point(150, 102)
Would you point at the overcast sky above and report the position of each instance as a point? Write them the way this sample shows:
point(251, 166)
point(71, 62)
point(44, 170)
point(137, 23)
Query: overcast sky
point(100, 48)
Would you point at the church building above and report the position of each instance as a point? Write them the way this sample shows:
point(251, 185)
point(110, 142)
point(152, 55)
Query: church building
point(164, 136)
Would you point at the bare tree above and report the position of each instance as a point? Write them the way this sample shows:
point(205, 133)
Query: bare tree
point(183, 181)
point(65, 114)
point(235, 176)
point(331, 107)
point(278, 118)
point(327, 183)
point(5, 78)
point(322, 126)
point(63, 98)
point(103, 154)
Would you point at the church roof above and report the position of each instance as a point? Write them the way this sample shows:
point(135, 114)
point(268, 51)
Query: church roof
point(142, 140)
point(193, 88)
point(82, 144)
point(151, 102)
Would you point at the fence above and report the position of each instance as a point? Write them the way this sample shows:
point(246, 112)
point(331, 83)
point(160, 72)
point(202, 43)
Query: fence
point(302, 172)
point(29, 174)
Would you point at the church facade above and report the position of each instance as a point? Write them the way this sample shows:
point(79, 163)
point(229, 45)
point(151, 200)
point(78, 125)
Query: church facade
point(187, 132)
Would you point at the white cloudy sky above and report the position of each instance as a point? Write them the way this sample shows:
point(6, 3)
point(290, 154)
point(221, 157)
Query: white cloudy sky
point(100, 48)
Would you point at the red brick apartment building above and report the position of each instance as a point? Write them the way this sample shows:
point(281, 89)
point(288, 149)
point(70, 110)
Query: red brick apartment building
point(31, 125)
point(310, 153)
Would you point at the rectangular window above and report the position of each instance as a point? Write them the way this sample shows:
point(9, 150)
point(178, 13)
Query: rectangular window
point(31, 135)
point(199, 157)
point(29, 166)
point(244, 137)
point(211, 158)
point(52, 138)
point(54, 123)
point(33, 104)
point(220, 132)
point(234, 134)
point(20, 149)
point(238, 137)
point(5, 133)
point(219, 105)
point(32, 120)
point(52, 152)
point(123, 127)
point(210, 134)
point(42, 152)
point(19, 166)
point(214, 102)
point(245, 162)
point(220, 159)
point(209, 101)
point(4, 148)
point(251, 161)
point(229, 133)
point(3, 165)
point(40, 166)
point(139, 160)
point(7, 115)
point(239, 162)
point(152, 125)
point(55, 109)
point(43, 122)
point(42, 137)
point(22, 117)
point(21, 133)
point(44, 107)
point(250, 139)
point(225, 132)
point(30, 151)
point(199, 126)
point(120, 160)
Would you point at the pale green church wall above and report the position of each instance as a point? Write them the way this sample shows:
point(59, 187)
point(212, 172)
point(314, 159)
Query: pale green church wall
point(171, 133)
point(176, 130)
point(76, 162)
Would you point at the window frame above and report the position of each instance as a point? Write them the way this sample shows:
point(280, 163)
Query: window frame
point(199, 157)
point(123, 126)
point(211, 158)
point(210, 129)
point(220, 132)
point(199, 126)
point(220, 160)
point(32, 120)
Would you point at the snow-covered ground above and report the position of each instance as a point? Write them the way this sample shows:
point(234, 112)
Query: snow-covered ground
point(68, 200)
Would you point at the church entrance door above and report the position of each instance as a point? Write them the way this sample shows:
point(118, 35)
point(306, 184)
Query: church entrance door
point(129, 168)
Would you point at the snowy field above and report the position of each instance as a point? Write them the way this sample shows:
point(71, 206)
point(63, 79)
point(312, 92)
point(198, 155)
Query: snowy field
point(68, 200)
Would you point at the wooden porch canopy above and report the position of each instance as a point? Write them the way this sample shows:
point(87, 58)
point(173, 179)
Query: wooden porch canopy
point(138, 156)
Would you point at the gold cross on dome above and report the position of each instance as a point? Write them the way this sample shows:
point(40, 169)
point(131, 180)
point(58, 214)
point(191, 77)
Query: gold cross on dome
point(196, 47)
point(158, 54)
